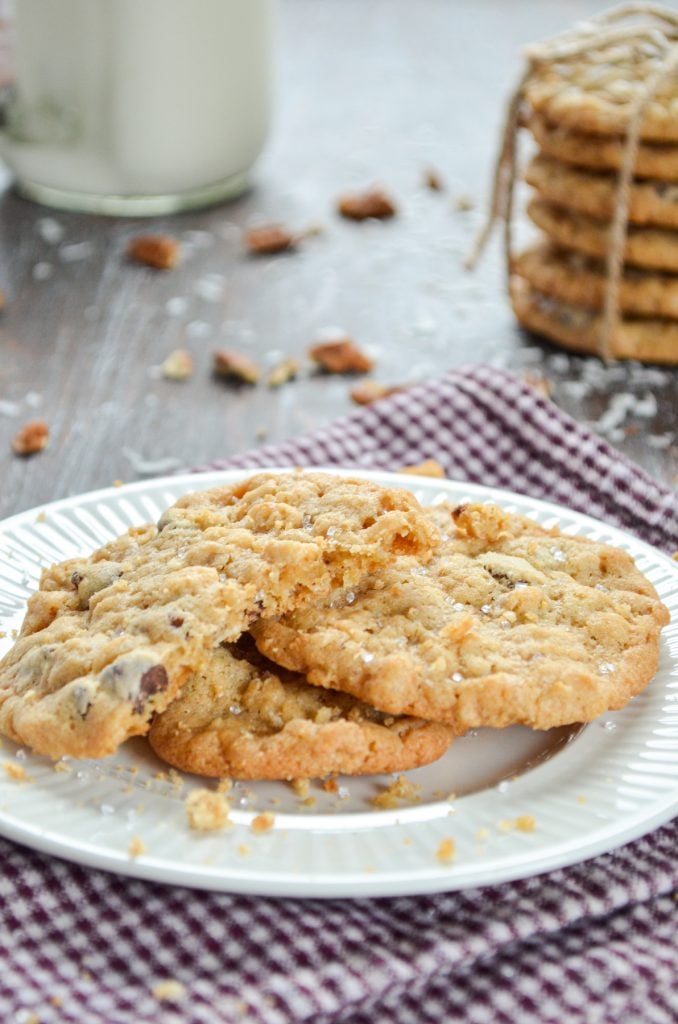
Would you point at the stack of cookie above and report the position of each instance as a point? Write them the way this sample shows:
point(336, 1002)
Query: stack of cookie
point(581, 98)
point(382, 630)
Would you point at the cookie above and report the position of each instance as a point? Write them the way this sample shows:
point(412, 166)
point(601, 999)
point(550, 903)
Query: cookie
point(580, 329)
point(508, 623)
point(650, 202)
point(242, 717)
point(109, 639)
point(581, 281)
point(595, 91)
point(654, 160)
point(652, 248)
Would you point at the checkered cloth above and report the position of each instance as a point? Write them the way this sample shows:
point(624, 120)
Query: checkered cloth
point(592, 943)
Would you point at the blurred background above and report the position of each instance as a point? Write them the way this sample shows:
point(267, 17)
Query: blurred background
point(365, 92)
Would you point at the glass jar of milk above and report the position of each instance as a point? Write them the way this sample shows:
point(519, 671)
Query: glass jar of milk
point(137, 106)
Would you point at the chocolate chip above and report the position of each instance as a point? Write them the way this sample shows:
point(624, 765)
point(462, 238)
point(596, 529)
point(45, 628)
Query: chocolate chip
point(76, 579)
point(154, 680)
point(176, 621)
point(83, 700)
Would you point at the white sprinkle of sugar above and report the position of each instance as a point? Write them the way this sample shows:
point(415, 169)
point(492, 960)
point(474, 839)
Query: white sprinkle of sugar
point(50, 230)
point(42, 270)
point(176, 306)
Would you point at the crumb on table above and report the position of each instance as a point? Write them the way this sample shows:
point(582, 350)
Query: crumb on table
point(340, 356)
point(374, 203)
point(33, 437)
point(158, 251)
point(178, 365)
point(368, 391)
point(282, 373)
point(237, 366)
point(270, 239)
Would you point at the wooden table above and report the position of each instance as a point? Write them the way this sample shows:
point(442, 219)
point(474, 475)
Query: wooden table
point(369, 91)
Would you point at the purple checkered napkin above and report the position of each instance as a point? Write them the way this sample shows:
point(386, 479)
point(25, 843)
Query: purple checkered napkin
point(591, 944)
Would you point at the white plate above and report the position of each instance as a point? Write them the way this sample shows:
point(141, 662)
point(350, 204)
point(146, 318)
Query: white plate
point(588, 790)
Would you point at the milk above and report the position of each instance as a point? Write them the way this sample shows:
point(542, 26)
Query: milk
point(138, 98)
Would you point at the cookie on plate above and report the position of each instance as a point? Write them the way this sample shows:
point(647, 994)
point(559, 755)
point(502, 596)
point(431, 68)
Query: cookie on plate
point(652, 248)
point(580, 280)
point(595, 194)
point(580, 329)
point(109, 639)
point(654, 160)
point(508, 623)
point(242, 717)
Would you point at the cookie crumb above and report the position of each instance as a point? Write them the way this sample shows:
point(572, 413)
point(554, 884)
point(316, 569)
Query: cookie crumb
point(446, 851)
point(158, 251)
point(270, 239)
point(525, 823)
point(233, 365)
point(178, 365)
point(463, 203)
point(15, 772)
point(302, 787)
point(56, 1000)
point(581, 799)
point(399, 790)
point(136, 848)
point(329, 785)
point(118, 483)
point(224, 786)
point(263, 822)
point(373, 203)
point(433, 180)
point(207, 811)
point(482, 835)
point(33, 437)
point(538, 383)
point(170, 991)
point(41, 517)
point(62, 766)
point(243, 850)
point(284, 372)
point(430, 467)
point(340, 356)
point(369, 391)
point(32, 1018)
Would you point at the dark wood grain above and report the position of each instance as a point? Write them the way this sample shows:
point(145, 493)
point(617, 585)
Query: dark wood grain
point(369, 91)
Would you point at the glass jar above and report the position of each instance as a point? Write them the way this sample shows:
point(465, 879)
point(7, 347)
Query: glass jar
point(136, 106)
